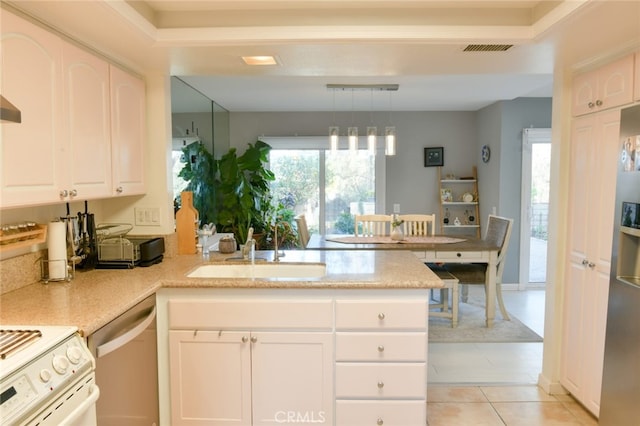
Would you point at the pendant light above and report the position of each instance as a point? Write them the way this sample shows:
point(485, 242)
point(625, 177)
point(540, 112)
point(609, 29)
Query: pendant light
point(390, 134)
point(334, 131)
point(390, 140)
point(372, 131)
point(352, 132)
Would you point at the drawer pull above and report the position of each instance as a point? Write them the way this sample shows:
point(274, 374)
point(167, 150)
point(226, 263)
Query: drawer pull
point(380, 385)
point(380, 348)
point(380, 422)
point(459, 254)
point(381, 316)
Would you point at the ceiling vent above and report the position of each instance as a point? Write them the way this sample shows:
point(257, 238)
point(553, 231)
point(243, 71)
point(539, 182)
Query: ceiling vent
point(487, 47)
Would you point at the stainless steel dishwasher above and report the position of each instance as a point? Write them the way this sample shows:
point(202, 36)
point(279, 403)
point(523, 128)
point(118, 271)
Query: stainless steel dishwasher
point(127, 367)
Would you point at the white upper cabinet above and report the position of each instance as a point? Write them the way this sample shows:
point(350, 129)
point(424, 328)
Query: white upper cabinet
point(87, 119)
point(604, 88)
point(128, 132)
point(83, 121)
point(32, 152)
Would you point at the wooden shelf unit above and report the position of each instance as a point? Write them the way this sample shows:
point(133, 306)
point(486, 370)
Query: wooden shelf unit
point(452, 205)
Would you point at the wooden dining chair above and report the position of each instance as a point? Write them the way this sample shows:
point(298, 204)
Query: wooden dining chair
point(303, 231)
point(418, 224)
point(450, 282)
point(499, 233)
point(369, 225)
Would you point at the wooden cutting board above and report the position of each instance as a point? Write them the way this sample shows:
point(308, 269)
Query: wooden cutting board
point(187, 219)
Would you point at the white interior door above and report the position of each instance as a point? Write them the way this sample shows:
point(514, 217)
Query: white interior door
point(536, 144)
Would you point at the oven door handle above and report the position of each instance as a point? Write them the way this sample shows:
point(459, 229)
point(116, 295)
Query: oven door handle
point(125, 338)
point(80, 410)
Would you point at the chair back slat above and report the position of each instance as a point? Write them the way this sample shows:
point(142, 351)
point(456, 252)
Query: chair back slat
point(418, 224)
point(372, 225)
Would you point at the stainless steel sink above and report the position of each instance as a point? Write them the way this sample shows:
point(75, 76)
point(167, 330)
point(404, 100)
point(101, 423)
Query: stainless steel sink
point(260, 270)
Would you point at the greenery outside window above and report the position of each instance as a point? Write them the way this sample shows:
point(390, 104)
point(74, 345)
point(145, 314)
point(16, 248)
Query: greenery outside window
point(329, 188)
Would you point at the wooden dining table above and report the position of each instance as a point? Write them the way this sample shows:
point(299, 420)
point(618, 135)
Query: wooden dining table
point(430, 249)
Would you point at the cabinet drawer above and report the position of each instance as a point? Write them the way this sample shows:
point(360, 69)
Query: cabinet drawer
point(381, 315)
point(368, 413)
point(459, 255)
point(252, 314)
point(381, 347)
point(380, 380)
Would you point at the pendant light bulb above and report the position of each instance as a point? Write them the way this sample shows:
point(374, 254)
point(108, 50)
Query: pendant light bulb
point(352, 133)
point(334, 134)
point(390, 140)
point(372, 139)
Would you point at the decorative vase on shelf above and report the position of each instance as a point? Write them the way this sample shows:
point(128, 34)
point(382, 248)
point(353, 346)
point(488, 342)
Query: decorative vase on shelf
point(397, 234)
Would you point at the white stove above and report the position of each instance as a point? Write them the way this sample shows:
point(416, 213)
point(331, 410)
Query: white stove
point(46, 377)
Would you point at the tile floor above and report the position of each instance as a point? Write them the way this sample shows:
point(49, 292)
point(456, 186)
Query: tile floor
point(495, 383)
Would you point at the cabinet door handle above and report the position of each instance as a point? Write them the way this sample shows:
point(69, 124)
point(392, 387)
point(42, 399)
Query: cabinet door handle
point(64, 193)
point(585, 262)
point(381, 316)
point(592, 265)
point(380, 385)
point(73, 193)
point(380, 348)
point(119, 190)
point(380, 422)
point(254, 339)
point(598, 102)
point(591, 105)
point(245, 339)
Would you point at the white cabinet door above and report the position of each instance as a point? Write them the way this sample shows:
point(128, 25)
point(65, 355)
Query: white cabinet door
point(128, 132)
point(594, 151)
point(87, 118)
point(31, 153)
point(604, 88)
point(292, 378)
point(210, 377)
point(259, 378)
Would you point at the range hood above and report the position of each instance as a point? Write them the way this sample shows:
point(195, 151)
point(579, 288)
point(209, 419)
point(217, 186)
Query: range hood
point(8, 112)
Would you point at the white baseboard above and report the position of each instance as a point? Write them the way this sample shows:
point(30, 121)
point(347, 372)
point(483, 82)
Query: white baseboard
point(551, 388)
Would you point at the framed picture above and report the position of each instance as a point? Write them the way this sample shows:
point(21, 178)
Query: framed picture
point(434, 157)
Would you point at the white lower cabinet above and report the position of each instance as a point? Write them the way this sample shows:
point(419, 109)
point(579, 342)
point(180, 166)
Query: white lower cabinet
point(257, 378)
point(267, 357)
point(250, 361)
point(372, 413)
point(381, 361)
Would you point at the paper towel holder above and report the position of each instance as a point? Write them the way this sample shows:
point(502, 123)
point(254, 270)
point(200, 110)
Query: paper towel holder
point(44, 270)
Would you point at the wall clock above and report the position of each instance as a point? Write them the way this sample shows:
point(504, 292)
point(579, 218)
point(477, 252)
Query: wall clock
point(486, 153)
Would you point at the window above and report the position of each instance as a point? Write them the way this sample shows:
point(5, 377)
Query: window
point(329, 188)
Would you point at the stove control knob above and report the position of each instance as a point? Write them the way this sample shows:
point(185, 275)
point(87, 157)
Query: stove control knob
point(60, 364)
point(74, 354)
point(45, 375)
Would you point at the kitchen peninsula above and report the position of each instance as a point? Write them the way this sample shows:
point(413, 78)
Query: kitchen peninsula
point(359, 332)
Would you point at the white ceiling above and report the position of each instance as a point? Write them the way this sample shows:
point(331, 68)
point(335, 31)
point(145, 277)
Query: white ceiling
point(416, 44)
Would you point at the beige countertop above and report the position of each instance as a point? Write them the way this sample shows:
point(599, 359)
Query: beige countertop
point(93, 298)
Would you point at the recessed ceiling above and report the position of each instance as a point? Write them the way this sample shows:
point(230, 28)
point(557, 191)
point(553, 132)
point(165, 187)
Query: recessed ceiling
point(416, 44)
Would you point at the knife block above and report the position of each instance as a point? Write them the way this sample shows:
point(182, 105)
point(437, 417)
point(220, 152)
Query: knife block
point(187, 219)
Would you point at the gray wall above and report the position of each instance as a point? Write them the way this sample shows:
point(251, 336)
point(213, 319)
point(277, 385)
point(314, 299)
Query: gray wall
point(408, 182)
point(500, 126)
